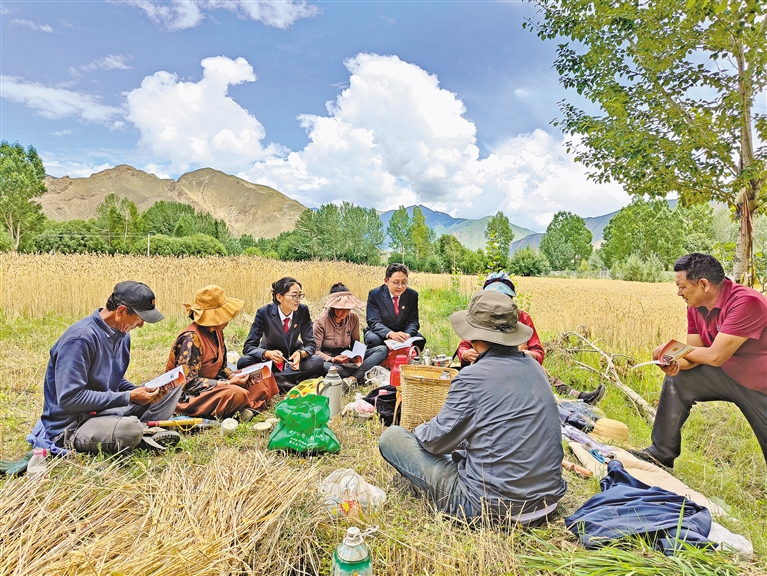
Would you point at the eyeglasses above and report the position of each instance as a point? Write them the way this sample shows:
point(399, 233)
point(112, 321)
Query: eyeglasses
point(298, 297)
point(398, 284)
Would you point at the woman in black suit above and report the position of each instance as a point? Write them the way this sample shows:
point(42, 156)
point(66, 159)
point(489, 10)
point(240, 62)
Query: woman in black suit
point(275, 335)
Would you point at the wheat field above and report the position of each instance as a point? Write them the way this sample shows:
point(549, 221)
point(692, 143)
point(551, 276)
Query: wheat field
point(225, 506)
point(627, 316)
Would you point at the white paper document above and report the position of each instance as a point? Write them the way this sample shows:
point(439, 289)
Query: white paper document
point(358, 349)
point(170, 379)
point(256, 368)
point(395, 345)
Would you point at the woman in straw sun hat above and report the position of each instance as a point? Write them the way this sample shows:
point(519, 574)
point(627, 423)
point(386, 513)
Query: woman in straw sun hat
point(212, 389)
point(336, 329)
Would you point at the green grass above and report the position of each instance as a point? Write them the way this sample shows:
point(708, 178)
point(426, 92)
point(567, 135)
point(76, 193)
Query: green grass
point(721, 459)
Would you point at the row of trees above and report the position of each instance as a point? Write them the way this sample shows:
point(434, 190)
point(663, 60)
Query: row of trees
point(640, 242)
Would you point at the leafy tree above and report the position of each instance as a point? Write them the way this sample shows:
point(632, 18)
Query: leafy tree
point(645, 228)
point(118, 221)
point(422, 237)
point(566, 241)
point(70, 237)
point(398, 232)
point(451, 251)
point(528, 262)
point(162, 217)
point(339, 232)
point(499, 228)
point(22, 178)
point(675, 83)
point(363, 235)
point(495, 260)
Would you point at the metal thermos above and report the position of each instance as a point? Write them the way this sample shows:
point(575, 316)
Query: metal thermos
point(332, 388)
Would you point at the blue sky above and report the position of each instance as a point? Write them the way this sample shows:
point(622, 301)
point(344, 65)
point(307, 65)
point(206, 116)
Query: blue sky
point(380, 103)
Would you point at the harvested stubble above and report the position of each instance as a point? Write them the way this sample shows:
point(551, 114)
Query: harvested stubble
point(37, 284)
point(226, 517)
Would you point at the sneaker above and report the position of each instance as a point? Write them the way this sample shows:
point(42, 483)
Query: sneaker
point(647, 456)
point(593, 397)
point(246, 415)
point(159, 441)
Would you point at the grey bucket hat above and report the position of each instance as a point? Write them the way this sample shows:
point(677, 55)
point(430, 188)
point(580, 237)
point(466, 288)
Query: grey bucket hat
point(491, 317)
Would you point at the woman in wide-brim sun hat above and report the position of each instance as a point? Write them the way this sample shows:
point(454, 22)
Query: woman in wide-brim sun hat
point(336, 330)
point(212, 388)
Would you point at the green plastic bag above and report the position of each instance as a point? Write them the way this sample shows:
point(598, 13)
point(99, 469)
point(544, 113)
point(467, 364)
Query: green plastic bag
point(303, 425)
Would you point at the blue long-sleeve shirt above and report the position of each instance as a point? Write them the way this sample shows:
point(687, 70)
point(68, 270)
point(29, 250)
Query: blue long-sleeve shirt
point(86, 373)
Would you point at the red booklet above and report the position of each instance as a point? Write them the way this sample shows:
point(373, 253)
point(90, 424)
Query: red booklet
point(672, 351)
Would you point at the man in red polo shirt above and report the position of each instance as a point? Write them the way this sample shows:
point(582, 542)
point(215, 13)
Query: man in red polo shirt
point(727, 325)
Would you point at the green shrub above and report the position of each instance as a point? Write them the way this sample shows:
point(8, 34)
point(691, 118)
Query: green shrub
point(528, 262)
point(635, 269)
point(5, 241)
point(196, 245)
point(70, 237)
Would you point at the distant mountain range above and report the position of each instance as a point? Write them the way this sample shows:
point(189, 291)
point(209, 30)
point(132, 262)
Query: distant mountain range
point(246, 208)
point(471, 233)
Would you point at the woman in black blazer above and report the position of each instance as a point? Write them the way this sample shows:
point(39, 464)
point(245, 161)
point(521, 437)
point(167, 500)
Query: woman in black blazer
point(282, 332)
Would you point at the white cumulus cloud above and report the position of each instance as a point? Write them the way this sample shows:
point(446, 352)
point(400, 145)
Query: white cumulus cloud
point(33, 25)
point(394, 136)
point(197, 124)
point(182, 14)
point(52, 102)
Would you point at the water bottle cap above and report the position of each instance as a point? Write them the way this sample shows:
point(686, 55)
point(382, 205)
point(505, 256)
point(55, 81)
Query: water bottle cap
point(353, 536)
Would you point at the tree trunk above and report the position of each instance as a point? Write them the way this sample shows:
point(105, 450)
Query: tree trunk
point(743, 262)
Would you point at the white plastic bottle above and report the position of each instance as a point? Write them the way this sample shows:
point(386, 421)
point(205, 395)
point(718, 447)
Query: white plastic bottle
point(352, 557)
point(37, 464)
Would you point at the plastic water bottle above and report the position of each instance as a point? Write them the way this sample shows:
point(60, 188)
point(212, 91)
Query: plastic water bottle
point(427, 357)
point(352, 557)
point(37, 464)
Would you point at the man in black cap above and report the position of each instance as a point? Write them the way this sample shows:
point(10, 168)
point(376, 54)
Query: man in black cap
point(89, 406)
point(495, 447)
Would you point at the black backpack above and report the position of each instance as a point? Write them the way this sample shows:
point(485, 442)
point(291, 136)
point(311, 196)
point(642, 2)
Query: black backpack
point(385, 401)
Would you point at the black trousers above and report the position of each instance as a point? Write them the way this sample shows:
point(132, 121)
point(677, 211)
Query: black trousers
point(702, 384)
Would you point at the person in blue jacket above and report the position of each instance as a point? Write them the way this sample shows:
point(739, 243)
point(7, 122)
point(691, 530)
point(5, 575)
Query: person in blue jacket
point(88, 405)
point(282, 332)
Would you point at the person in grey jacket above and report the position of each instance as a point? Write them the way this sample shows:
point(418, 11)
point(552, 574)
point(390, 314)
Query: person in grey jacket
point(494, 449)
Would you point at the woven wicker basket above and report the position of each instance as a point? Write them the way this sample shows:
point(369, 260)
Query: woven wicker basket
point(423, 393)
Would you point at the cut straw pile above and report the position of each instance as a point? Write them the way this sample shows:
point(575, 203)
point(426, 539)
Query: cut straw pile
point(228, 516)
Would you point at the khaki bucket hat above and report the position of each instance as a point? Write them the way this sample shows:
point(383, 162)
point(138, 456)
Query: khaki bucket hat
point(211, 306)
point(491, 317)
